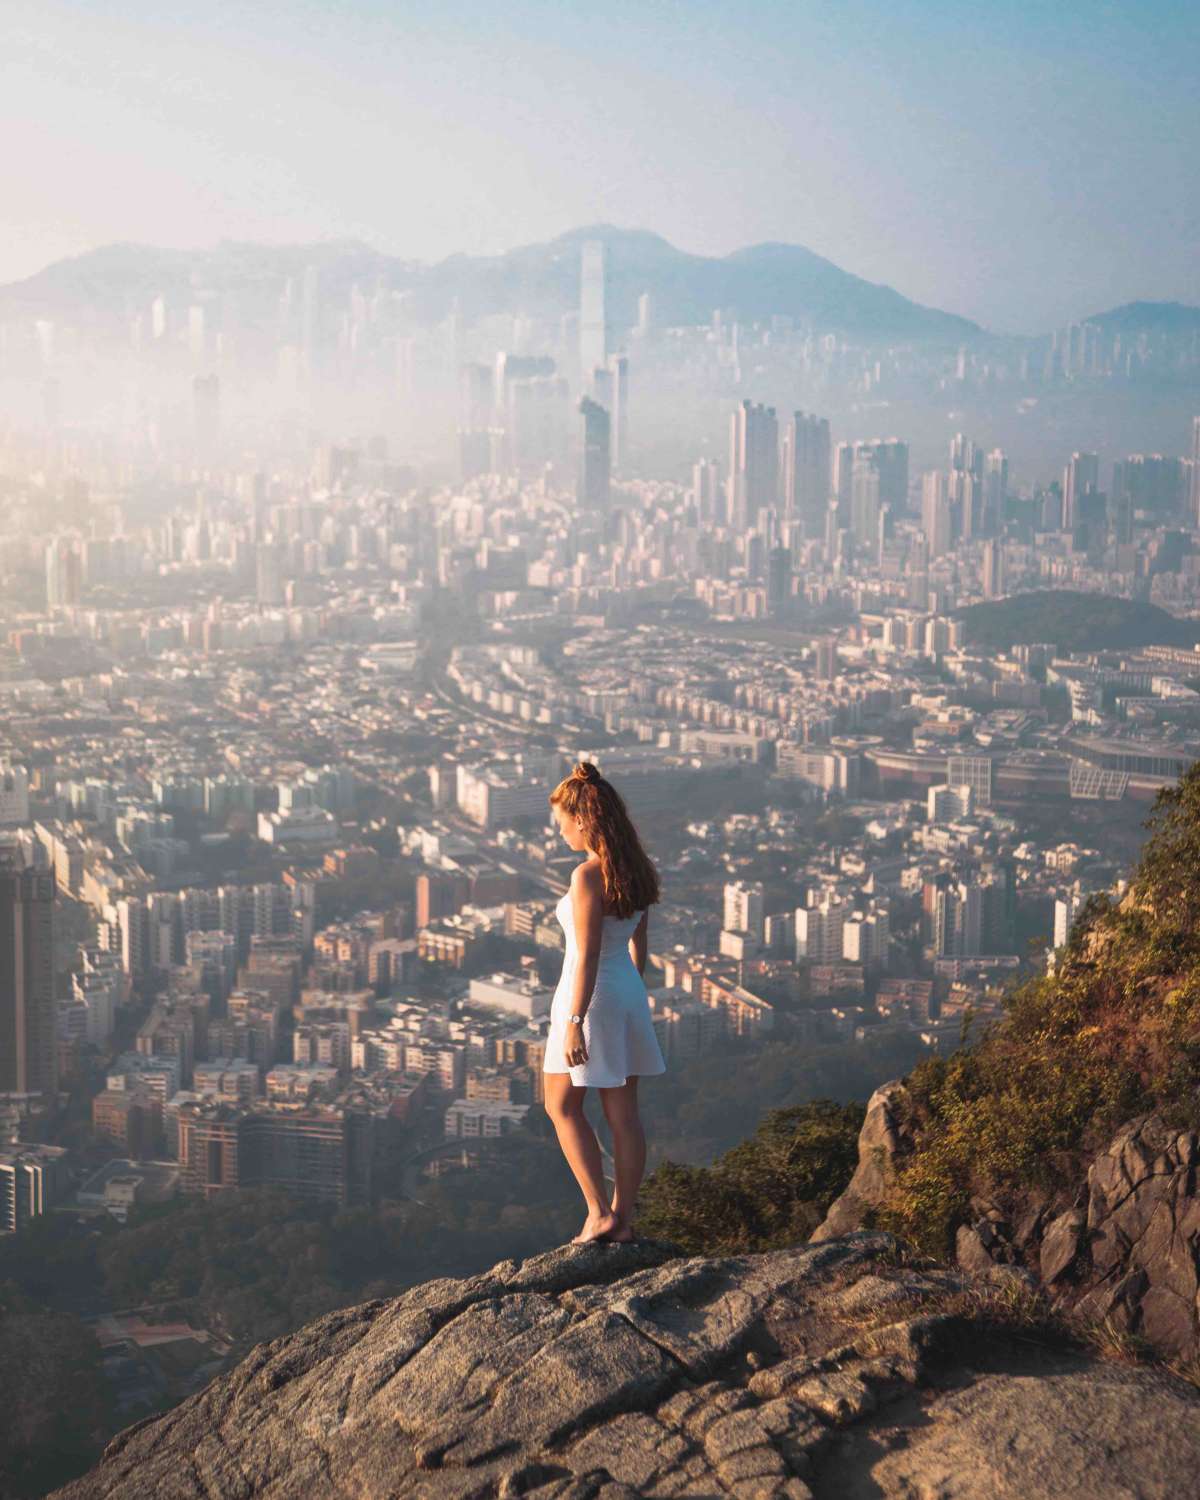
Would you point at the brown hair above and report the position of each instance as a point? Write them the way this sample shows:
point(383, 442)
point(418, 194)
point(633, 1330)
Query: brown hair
point(630, 879)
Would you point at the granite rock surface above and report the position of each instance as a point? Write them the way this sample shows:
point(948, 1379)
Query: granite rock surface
point(829, 1370)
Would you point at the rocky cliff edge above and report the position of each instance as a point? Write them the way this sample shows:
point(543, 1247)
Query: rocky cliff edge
point(830, 1370)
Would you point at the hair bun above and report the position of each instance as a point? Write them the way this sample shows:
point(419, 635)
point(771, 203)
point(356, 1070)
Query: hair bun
point(585, 771)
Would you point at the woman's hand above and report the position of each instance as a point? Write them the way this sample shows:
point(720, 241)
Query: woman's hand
point(576, 1049)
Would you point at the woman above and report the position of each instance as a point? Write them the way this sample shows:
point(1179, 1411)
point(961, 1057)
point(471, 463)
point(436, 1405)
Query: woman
point(601, 1035)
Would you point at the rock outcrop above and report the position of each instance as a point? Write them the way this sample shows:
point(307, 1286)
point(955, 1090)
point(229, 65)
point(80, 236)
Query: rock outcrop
point(878, 1147)
point(829, 1370)
point(1121, 1247)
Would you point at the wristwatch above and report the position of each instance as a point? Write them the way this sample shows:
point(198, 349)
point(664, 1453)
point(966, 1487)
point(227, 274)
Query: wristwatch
point(576, 1020)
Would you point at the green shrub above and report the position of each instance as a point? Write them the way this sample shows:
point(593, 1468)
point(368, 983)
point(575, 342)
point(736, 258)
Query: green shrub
point(771, 1191)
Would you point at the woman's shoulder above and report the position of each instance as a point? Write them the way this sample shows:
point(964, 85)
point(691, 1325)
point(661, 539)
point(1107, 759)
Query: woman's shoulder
point(588, 878)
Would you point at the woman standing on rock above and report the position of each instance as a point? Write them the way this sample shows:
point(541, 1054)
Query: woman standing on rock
point(601, 1034)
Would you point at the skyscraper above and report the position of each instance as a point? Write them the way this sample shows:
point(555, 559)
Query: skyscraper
point(516, 400)
point(806, 460)
point(993, 569)
point(28, 1044)
point(268, 581)
point(1081, 477)
point(595, 465)
point(966, 457)
point(753, 463)
point(706, 491)
point(1194, 505)
point(890, 457)
point(593, 332)
point(935, 513)
point(865, 508)
point(995, 491)
point(64, 573)
point(618, 369)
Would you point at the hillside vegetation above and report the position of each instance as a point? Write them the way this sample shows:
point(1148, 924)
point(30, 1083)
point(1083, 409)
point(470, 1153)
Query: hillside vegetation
point(1074, 622)
point(1014, 1118)
point(771, 1191)
point(1112, 1034)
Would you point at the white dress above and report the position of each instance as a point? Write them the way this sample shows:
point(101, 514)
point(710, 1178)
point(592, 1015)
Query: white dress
point(617, 1029)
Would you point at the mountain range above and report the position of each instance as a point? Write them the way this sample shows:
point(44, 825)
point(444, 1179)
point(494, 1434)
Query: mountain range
point(538, 280)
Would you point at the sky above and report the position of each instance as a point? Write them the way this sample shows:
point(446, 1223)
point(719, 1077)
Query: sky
point(1021, 162)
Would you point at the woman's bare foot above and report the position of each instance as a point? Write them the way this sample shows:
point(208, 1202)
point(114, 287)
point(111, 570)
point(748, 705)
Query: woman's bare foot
point(597, 1227)
point(620, 1234)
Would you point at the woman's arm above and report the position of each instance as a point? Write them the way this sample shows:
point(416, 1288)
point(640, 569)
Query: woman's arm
point(587, 911)
point(637, 944)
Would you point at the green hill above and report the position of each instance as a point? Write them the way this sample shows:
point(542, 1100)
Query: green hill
point(1074, 622)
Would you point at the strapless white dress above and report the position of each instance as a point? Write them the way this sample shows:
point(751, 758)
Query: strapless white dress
point(617, 1030)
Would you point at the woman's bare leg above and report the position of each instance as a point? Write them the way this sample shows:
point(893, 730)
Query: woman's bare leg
point(629, 1153)
point(564, 1105)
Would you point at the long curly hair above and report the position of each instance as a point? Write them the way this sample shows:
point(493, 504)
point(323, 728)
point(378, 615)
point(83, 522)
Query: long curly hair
point(630, 879)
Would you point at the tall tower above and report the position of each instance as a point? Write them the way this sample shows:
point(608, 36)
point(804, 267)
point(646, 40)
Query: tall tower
point(753, 463)
point(865, 501)
point(993, 569)
point(28, 1045)
point(806, 460)
point(593, 332)
point(618, 369)
point(64, 573)
point(995, 491)
point(935, 512)
point(890, 458)
point(1194, 498)
point(1080, 477)
point(595, 467)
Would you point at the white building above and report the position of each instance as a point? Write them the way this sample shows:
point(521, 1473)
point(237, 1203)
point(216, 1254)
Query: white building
point(865, 936)
point(1066, 909)
point(492, 796)
point(819, 930)
point(520, 995)
point(744, 908)
point(309, 826)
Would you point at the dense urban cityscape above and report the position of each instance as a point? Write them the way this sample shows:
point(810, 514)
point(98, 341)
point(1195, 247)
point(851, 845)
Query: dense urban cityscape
point(277, 900)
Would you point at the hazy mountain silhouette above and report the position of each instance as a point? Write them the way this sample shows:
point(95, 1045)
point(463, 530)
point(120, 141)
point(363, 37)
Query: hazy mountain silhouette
point(540, 280)
point(1149, 317)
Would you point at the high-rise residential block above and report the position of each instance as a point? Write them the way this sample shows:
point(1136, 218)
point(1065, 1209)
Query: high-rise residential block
point(935, 512)
point(28, 1017)
point(753, 463)
point(1081, 478)
point(595, 464)
point(806, 471)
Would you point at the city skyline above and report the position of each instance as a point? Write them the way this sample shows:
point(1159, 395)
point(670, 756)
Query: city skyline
point(471, 132)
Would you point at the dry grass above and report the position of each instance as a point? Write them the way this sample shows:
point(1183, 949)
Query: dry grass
point(1114, 1345)
point(1187, 1370)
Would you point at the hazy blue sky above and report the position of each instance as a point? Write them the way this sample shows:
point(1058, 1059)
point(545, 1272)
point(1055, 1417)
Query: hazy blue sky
point(1018, 161)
